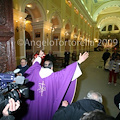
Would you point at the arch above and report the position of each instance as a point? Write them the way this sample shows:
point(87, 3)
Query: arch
point(30, 14)
point(37, 3)
point(56, 16)
point(104, 6)
point(68, 26)
point(108, 20)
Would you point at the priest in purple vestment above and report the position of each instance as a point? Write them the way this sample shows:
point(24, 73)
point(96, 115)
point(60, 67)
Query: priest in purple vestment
point(50, 88)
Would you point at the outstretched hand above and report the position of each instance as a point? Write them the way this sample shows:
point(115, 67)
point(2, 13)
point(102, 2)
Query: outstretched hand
point(83, 57)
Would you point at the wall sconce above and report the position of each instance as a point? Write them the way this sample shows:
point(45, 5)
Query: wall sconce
point(53, 29)
point(76, 10)
point(48, 11)
point(95, 39)
point(21, 25)
point(85, 20)
point(75, 36)
point(68, 2)
point(81, 16)
point(66, 33)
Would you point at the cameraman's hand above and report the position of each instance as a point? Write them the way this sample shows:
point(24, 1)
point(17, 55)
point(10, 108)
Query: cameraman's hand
point(11, 106)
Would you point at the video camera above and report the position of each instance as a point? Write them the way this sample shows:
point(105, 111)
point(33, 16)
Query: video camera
point(12, 87)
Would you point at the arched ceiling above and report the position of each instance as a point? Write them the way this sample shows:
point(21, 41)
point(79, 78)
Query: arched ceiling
point(102, 10)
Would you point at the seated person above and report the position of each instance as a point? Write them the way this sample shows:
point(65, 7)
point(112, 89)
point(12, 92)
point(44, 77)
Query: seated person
point(23, 66)
point(76, 110)
point(96, 115)
point(9, 108)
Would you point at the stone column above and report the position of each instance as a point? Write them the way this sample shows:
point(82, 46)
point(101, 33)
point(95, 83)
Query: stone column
point(19, 29)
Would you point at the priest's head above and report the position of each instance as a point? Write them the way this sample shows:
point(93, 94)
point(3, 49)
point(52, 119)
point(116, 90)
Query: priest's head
point(48, 64)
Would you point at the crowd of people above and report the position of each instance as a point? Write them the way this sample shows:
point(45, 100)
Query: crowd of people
point(54, 91)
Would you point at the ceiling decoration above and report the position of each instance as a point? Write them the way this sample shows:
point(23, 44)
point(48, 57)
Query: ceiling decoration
point(98, 7)
point(99, 1)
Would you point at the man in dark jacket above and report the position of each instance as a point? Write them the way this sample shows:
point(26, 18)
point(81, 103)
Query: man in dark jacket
point(50, 57)
point(76, 110)
point(23, 66)
point(105, 56)
point(67, 57)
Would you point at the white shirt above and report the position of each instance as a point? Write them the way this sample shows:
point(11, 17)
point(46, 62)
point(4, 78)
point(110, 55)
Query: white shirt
point(43, 71)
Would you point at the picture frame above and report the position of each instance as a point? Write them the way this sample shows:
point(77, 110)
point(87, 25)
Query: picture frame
point(37, 34)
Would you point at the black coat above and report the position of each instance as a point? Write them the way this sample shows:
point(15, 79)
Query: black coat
point(76, 110)
point(22, 69)
point(49, 57)
point(105, 56)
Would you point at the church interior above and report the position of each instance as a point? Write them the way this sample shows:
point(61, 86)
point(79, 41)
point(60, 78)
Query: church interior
point(63, 25)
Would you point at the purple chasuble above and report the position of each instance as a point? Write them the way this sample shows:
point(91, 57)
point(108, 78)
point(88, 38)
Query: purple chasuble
point(49, 91)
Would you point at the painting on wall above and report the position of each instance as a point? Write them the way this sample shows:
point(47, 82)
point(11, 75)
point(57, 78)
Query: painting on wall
point(37, 34)
point(55, 38)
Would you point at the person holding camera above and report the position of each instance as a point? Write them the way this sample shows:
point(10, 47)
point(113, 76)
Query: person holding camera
point(9, 109)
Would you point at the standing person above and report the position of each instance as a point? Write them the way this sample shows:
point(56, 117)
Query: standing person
point(76, 110)
point(23, 66)
point(50, 88)
point(50, 57)
point(113, 70)
point(67, 57)
point(74, 56)
point(115, 54)
point(105, 56)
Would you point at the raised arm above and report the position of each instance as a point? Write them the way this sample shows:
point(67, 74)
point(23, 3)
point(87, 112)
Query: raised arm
point(83, 57)
point(38, 59)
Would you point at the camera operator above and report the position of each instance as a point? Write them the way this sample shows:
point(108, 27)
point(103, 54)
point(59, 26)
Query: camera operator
point(9, 109)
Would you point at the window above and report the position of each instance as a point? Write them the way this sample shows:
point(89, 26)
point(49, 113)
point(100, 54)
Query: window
point(104, 29)
point(110, 28)
point(116, 28)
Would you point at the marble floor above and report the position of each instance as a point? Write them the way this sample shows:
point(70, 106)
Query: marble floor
point(95, 78)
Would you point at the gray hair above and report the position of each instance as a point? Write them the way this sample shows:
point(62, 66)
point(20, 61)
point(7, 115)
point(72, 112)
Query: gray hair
point(96, 115)
point(95, 96)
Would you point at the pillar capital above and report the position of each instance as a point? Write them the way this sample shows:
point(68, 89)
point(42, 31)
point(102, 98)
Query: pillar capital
point(18, 15)
point(42, 24)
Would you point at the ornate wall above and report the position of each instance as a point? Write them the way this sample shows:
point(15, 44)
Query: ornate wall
point(7, 47)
